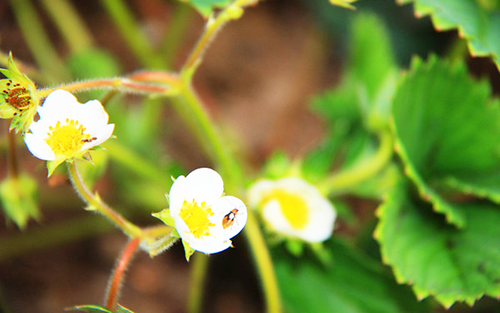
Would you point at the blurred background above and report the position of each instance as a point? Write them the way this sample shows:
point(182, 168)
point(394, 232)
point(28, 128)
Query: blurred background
point(257, 79)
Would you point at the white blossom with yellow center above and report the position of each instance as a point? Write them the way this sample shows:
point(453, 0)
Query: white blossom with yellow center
point(294, 208)
point(204, 218)
point(66, 128)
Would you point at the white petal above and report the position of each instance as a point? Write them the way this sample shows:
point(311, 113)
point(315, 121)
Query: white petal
point(321, 213)
point(204, 185)
point(102, 135)
point(223, 207)
point(40, 129)
point(273, 215)
point(38, 147)
point(177, 195)
point(258, 190)
point(210, 245)
point(93, 116)
point(321, 220)
point(58, 103)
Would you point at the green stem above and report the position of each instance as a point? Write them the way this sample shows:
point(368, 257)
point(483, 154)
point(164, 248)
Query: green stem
point(363, 171)
point(189, 107)
point(264, 263)
point(197, 282)
point(95, 203)
point(38, 41)
point(69, 23)
point(214, 24)
point(131, 32)
point(175, 33)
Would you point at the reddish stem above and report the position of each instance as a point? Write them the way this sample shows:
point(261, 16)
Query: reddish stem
point(118, 274)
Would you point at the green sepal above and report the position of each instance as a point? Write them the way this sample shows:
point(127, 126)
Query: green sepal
point(21, 118)
point(19, 199)
point(188, 251)
point(52, 165)
point(323, 254)
point(294, 246)
point(165, 217)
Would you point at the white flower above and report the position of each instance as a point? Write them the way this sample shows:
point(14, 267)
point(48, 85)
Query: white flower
point(204, 218)
point(66, 128)
point(293, 208)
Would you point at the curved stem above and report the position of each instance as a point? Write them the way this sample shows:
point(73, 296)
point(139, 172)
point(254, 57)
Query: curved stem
point(214, 24)
point(95, 203)
point(189, 107)
point(363, 171)
point(124, 84)
point(118, 274)
point(264, 263)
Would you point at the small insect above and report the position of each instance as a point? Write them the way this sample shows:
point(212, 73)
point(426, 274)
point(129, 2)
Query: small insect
point(89, 139)
point(229, 218)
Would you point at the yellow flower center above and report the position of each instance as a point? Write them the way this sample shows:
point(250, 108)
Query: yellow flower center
point(294, 207)
point(196, 218)
point(66, 140)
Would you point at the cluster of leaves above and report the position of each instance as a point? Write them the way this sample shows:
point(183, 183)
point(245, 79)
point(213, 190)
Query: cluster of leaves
point(437, 225)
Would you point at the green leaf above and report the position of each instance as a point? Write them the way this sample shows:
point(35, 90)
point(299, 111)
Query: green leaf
point(447, 130)
point(122, 309)
point(371, 59)
point(205, 7)
point(344, 3)
point(478, 23)
point(354, 283)
point(360, 104)
point(435, 257)
point(19, 199)
point(90, 308)
point(93, 308)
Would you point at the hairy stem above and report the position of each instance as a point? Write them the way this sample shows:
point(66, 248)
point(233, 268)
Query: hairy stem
point(123, 84)
point(95, 203)
point(119, 273)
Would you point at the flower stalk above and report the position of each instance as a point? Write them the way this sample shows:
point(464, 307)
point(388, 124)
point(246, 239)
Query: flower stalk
point(363, 171)
point(95, 203)
point(119, 273)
